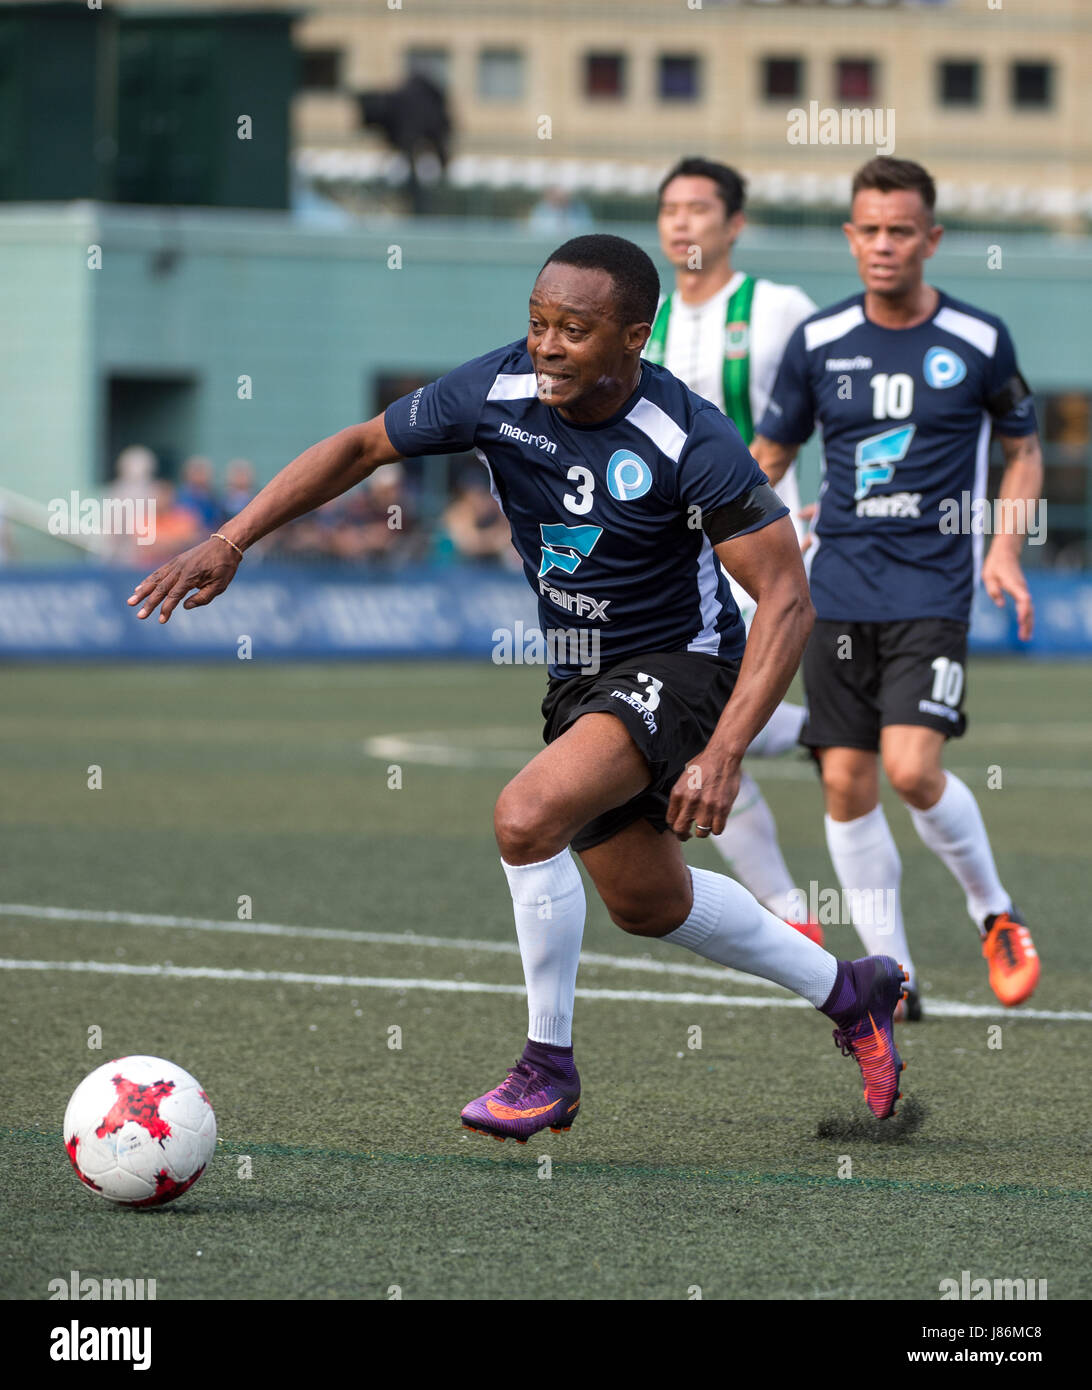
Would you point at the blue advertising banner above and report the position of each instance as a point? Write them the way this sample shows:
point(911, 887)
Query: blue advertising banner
point(285, 611)
point(292, 612)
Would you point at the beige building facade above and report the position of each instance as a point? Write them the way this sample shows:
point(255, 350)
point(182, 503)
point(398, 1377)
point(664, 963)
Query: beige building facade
point(986, 92)
point(995, 96)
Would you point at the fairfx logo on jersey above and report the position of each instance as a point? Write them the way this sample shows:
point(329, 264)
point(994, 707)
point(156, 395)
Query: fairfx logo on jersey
point(563, 547)
point(877, 456)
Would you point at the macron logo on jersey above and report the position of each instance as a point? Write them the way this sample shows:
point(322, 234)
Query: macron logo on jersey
point(849, 364)
point(540, 441)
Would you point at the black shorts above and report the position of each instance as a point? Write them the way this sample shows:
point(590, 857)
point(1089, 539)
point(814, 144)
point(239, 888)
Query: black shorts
point(670, 703)
point(860, 677)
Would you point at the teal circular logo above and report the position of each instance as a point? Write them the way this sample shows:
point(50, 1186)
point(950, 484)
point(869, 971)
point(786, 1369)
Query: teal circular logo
point(628, 475)
point(944, 368)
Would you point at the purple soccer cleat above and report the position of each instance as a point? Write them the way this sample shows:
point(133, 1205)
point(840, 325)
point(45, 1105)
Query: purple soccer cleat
point(526, 1101)
point(864, 1029)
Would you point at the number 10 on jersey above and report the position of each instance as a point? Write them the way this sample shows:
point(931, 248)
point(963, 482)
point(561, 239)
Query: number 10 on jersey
point(892, 396)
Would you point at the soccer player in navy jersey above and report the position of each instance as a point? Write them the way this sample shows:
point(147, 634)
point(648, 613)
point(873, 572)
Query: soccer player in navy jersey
point(906, 384)
point(626, 494)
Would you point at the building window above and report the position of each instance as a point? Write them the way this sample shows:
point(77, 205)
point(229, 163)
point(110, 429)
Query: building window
point(432, 63)
point(500, 74)
point(782, 78)
point(678, 77)
point(1032, 85)
point(320, 69)
point(605, 75)
point(855, 79)
point(959, 83)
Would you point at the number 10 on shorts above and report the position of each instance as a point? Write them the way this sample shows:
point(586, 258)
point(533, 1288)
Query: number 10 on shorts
point(947, 681)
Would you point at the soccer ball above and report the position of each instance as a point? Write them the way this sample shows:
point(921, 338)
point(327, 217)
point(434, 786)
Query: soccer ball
point(139, 1131)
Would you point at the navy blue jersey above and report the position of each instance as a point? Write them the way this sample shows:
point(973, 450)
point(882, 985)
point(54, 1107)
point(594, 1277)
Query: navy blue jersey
point(905, 415)
point(607, 518)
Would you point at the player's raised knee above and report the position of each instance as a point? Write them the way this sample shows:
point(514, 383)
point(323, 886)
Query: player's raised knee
point(527, 830)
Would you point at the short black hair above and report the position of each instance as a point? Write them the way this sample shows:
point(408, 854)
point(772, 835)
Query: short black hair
point(731, 186)
point(636, 283)
point(887, 175)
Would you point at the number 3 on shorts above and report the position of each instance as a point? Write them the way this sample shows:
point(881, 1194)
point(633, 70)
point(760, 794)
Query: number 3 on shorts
point(652, 691)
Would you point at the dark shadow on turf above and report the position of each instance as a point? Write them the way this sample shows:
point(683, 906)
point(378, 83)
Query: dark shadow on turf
point(901, 1127)
point(255, 1206)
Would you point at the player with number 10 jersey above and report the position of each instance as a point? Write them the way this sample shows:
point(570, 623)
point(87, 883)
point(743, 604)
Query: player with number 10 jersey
point(906, 416)
point(907, 384)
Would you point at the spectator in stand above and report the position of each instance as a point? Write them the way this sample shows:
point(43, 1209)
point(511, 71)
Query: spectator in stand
point(377, 523)
point(177, 526)
point(309, 537)
point(196, 494)
point(134, 481)
point(475, 525)
point(239, 488)
point(134, 473)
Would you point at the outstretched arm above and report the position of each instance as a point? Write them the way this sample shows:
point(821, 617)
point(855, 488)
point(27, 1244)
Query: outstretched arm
point(322, 472)
point(767, 564)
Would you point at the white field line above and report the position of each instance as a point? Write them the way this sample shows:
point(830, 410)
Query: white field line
point(781, 998)
point(440, 754)
point(298, 977)
point(721, 974)
point(937, 1007)
point(434, 749)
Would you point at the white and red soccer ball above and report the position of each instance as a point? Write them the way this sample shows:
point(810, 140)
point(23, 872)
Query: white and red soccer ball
point(139, 1131)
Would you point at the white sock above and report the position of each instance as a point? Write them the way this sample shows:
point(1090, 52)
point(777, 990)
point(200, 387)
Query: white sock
point(953, 829)
point(749, 843)
point(550, 908)
point(868, 866)
point(780, 732)
point(728, 926)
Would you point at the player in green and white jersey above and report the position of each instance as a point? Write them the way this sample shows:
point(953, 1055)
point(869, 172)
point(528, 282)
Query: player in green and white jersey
point(723, 332)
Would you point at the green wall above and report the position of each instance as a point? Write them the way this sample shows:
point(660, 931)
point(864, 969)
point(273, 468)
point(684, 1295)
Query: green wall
point(46, 309)
point(315, 316)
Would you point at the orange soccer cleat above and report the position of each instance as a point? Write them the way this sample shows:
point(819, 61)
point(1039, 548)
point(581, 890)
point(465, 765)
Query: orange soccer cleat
point(811, 929)
point(1012, 957)
point(866, 1036)
point(909, 1009)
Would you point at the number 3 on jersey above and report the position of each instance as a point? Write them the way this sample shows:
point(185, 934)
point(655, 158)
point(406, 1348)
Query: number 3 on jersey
point(583, 499)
